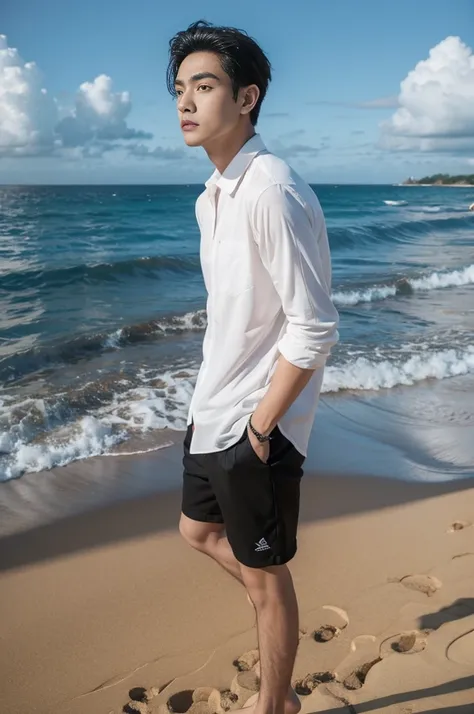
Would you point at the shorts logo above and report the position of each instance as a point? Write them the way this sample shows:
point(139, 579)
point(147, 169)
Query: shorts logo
point(262, 545)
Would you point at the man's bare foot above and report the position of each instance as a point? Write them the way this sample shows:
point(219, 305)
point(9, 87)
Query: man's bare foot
point(292, 703)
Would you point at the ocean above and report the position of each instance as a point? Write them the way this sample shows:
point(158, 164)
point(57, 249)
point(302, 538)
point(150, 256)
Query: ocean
point(102, 312)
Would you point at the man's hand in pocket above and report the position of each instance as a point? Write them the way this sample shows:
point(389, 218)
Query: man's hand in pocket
point(261, 449)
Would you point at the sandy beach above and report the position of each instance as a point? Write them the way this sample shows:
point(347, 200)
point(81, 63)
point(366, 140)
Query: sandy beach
point(106, 610)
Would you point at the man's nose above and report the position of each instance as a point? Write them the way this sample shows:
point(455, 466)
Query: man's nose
point(185, 104)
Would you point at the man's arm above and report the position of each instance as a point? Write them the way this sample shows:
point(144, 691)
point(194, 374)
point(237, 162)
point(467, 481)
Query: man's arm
point(287, 383)
point(290, 249)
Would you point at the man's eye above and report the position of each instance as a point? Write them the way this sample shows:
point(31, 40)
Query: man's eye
point(204, 86)
point(178, 92)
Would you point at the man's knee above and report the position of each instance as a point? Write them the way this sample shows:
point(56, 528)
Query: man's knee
point(201, 536)
point(265, 585)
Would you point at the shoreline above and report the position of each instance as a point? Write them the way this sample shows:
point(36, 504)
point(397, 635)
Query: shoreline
point(391, 433)
point(438, 185)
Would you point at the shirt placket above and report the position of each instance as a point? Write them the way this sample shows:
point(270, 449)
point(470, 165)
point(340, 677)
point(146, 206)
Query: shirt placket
point(214, 192)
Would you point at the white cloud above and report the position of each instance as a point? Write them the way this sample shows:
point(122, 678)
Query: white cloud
point(167, 154)
point(27, 113)
point(29, 119)
point(294, 150)
point(99, 114)
point(436, 99)
point(380, 103)
point(297, 150)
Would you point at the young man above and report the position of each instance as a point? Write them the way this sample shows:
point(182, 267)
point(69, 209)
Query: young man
point(271, 326)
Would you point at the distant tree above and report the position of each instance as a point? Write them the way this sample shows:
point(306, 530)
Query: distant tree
point(442, 179)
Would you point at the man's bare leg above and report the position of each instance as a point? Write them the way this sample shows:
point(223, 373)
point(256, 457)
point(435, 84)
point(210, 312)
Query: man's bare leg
point(210, 538)
point(272, 594)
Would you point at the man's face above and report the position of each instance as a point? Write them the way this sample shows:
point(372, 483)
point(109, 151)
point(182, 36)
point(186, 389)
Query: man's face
point(207, 109)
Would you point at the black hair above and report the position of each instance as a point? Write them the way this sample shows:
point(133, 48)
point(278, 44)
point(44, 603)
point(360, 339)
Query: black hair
point(241, 58)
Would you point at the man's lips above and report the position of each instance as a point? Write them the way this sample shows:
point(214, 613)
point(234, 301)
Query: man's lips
point(188, 125)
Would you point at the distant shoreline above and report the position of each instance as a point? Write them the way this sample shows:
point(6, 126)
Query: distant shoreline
point(439, 179)
point(439, 185)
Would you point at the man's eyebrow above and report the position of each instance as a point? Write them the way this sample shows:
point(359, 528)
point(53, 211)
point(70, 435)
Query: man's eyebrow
point(197, 77)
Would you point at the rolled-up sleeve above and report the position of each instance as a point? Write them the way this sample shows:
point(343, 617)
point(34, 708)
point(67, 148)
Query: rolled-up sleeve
point(293, 246)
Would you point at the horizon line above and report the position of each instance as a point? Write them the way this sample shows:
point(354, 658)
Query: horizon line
point(71, 185)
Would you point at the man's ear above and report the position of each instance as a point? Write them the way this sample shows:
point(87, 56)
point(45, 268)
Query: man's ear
point(250, 97)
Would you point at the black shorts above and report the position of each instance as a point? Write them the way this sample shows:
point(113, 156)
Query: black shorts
point(257, 502)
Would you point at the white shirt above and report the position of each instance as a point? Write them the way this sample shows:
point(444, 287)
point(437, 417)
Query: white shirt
point(267, 270)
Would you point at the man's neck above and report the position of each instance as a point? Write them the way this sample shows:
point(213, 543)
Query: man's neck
point(223, 150)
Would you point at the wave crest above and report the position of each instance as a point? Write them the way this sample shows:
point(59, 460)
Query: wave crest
point(405, 286)
point(89, 345)
point(99, 272)
point(366, 374)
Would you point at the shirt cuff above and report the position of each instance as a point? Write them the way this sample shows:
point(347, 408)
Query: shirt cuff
point(301, 354)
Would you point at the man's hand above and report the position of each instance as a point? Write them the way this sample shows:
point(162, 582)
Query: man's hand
point(262, 450)
point(287, 383)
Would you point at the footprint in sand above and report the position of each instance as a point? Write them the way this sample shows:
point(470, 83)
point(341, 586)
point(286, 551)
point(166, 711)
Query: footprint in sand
point(337, 620)
point(405, 643)
point(351, 672)
point(307, 685)
point(245, 685)
point(426, 584)
point(461, 650)
point(186, 701)
point(140, 698)
point(246, 661)
point(356, 679)
point(247, 680)
point(135, 707)
point(203, 700)
point(181, 702)
point(459, 526)
point(326, 633)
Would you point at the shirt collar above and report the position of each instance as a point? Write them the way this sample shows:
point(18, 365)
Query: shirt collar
point(229, 180)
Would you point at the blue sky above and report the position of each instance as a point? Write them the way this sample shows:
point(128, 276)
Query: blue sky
point(336, 110)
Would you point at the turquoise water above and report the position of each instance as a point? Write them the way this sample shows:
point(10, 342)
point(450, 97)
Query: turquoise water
point(102, 307)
